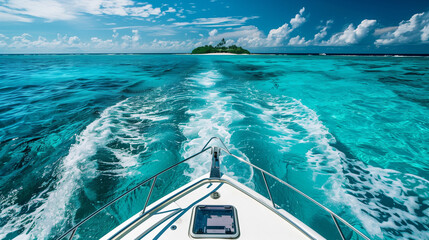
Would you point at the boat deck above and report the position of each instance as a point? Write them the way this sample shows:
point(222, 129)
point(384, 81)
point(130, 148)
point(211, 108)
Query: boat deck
point(256, 219)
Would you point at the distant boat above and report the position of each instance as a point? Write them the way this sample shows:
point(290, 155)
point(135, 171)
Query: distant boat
point(322, 54)
point(217, 206)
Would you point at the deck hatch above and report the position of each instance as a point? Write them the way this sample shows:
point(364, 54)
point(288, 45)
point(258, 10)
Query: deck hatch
point(214, 221)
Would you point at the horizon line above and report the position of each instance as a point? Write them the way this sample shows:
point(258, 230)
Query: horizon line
point(279, 53)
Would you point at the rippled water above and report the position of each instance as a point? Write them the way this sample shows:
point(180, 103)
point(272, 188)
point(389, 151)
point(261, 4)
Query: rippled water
point(77, 131)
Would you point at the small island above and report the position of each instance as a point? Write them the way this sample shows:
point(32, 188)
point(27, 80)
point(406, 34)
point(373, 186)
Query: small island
point(220, 48)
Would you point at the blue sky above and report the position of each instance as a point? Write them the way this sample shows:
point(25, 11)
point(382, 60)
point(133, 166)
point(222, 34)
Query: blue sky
point(331, 26)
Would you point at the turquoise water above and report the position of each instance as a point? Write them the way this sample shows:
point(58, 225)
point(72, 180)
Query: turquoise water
point(350, 131)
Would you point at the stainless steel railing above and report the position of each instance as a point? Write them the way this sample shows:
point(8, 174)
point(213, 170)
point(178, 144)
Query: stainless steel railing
point(74, 228)
point(334, 216)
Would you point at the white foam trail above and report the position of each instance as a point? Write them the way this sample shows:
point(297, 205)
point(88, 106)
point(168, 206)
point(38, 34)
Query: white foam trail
point(207, 79)
point(52, 210)
point(384, 194)
point(281, 117)
point(364, 189)
point(209, 120)
point(53, 207)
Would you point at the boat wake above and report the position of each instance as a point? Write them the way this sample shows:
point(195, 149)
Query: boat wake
point(119, 133)
point(211, 117)
point(388, 204)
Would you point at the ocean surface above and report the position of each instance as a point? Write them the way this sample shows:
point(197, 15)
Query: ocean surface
point(76, 131)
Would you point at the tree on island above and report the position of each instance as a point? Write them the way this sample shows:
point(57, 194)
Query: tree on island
point(220, 48)
point(222, 43)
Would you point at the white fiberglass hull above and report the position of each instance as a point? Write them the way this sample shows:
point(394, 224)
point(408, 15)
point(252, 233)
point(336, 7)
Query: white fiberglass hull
point(170, 217)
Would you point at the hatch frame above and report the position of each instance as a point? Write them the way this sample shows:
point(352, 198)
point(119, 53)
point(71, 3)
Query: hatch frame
point(234, 235)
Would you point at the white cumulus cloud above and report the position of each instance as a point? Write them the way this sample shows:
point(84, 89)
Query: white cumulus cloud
point(170, 9)
point(40, 44)
point(351, 35)
point(298, 20)
point(26, 43)
point(298, 41)
point(131, 41)
point(323, 32)
point(97, 43)
point(73, 40)
point(276, 37)
point(413, 30)
point(144, 11)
